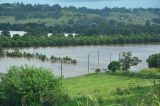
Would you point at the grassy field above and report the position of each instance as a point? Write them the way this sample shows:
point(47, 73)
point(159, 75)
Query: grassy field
point(111, 90)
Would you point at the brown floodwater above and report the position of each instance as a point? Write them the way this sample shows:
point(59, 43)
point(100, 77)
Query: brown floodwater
point(80, 53)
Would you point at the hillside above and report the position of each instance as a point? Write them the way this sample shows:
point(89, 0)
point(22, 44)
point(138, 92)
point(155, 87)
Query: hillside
point(55, 19)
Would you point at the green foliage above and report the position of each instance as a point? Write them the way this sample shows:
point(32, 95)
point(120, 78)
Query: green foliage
point(114, 90)
point(44, 41)
point(122, 91)
point(38, 20)
point(152, 98)
point(28, 55)
point(98, 70)
point(114, 65)
point(127, 60)
point(66, 60)
point(146, 73)
point(41, 57)
point(30, 86)
point(5, 33)
point(15, 53)
point(1, 51)
point(154, 60)
point(89, 100)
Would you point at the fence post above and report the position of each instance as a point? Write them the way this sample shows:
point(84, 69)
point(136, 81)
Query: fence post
point(88, 63)
point(110, 57)
point(98, 59)
point(61, 67)
point(158, 60)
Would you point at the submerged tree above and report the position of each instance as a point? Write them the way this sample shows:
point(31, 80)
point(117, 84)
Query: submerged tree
point(127, 60)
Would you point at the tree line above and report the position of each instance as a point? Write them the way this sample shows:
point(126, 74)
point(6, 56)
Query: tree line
point(61, 40)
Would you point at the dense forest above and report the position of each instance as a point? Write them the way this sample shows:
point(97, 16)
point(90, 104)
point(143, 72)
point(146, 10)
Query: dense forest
point(41, 19)
point(61, 40)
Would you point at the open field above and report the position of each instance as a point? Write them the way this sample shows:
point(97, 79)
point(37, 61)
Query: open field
point(112, 90)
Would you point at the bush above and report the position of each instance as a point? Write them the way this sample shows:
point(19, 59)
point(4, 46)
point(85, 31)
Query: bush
point(98, 70)
point(28, 86)
point(88, 100)
point(1, 51)
point(122, 91)
point(114, 65)
point(154, 61)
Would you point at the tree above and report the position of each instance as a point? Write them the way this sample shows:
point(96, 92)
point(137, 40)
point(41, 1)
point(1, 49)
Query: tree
point(114, 65)
point(5, 33)
point(16, 36)
point(1, 51)
point(127, 60)
point(30, 86)
point(154, 60)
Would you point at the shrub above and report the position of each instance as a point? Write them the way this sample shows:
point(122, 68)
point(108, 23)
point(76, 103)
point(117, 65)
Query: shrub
point(88, 100)
point(98, 70)
point(28, 86)
point(154, 61)
point(122, 91)
point(113, 66)
point(74, 61)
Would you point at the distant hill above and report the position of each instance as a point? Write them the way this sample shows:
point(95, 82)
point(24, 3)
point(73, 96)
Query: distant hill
point(72, 19)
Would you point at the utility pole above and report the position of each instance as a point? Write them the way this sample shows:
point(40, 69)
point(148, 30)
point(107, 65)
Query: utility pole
point(110, 57)
point(158, 60)
point(61, 67)
point(88, 63)
point(34, 51)
point(119, 56)
point(98, 59)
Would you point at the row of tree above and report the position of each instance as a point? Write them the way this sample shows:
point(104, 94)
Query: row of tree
point(85, 26)
point(16, 53)
point(61, 40)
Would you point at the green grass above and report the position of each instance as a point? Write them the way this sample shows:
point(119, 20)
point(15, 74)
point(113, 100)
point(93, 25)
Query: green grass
point(111, 89)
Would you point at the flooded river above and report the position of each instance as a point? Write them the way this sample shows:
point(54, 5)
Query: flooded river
point(80, 53)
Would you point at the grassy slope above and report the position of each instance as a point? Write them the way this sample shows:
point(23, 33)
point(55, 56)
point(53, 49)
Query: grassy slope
point(135, 18)
point(105, 85)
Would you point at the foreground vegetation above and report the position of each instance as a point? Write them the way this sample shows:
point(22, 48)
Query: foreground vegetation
point(30, 86)
point(115, 89)
point(102, 89)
